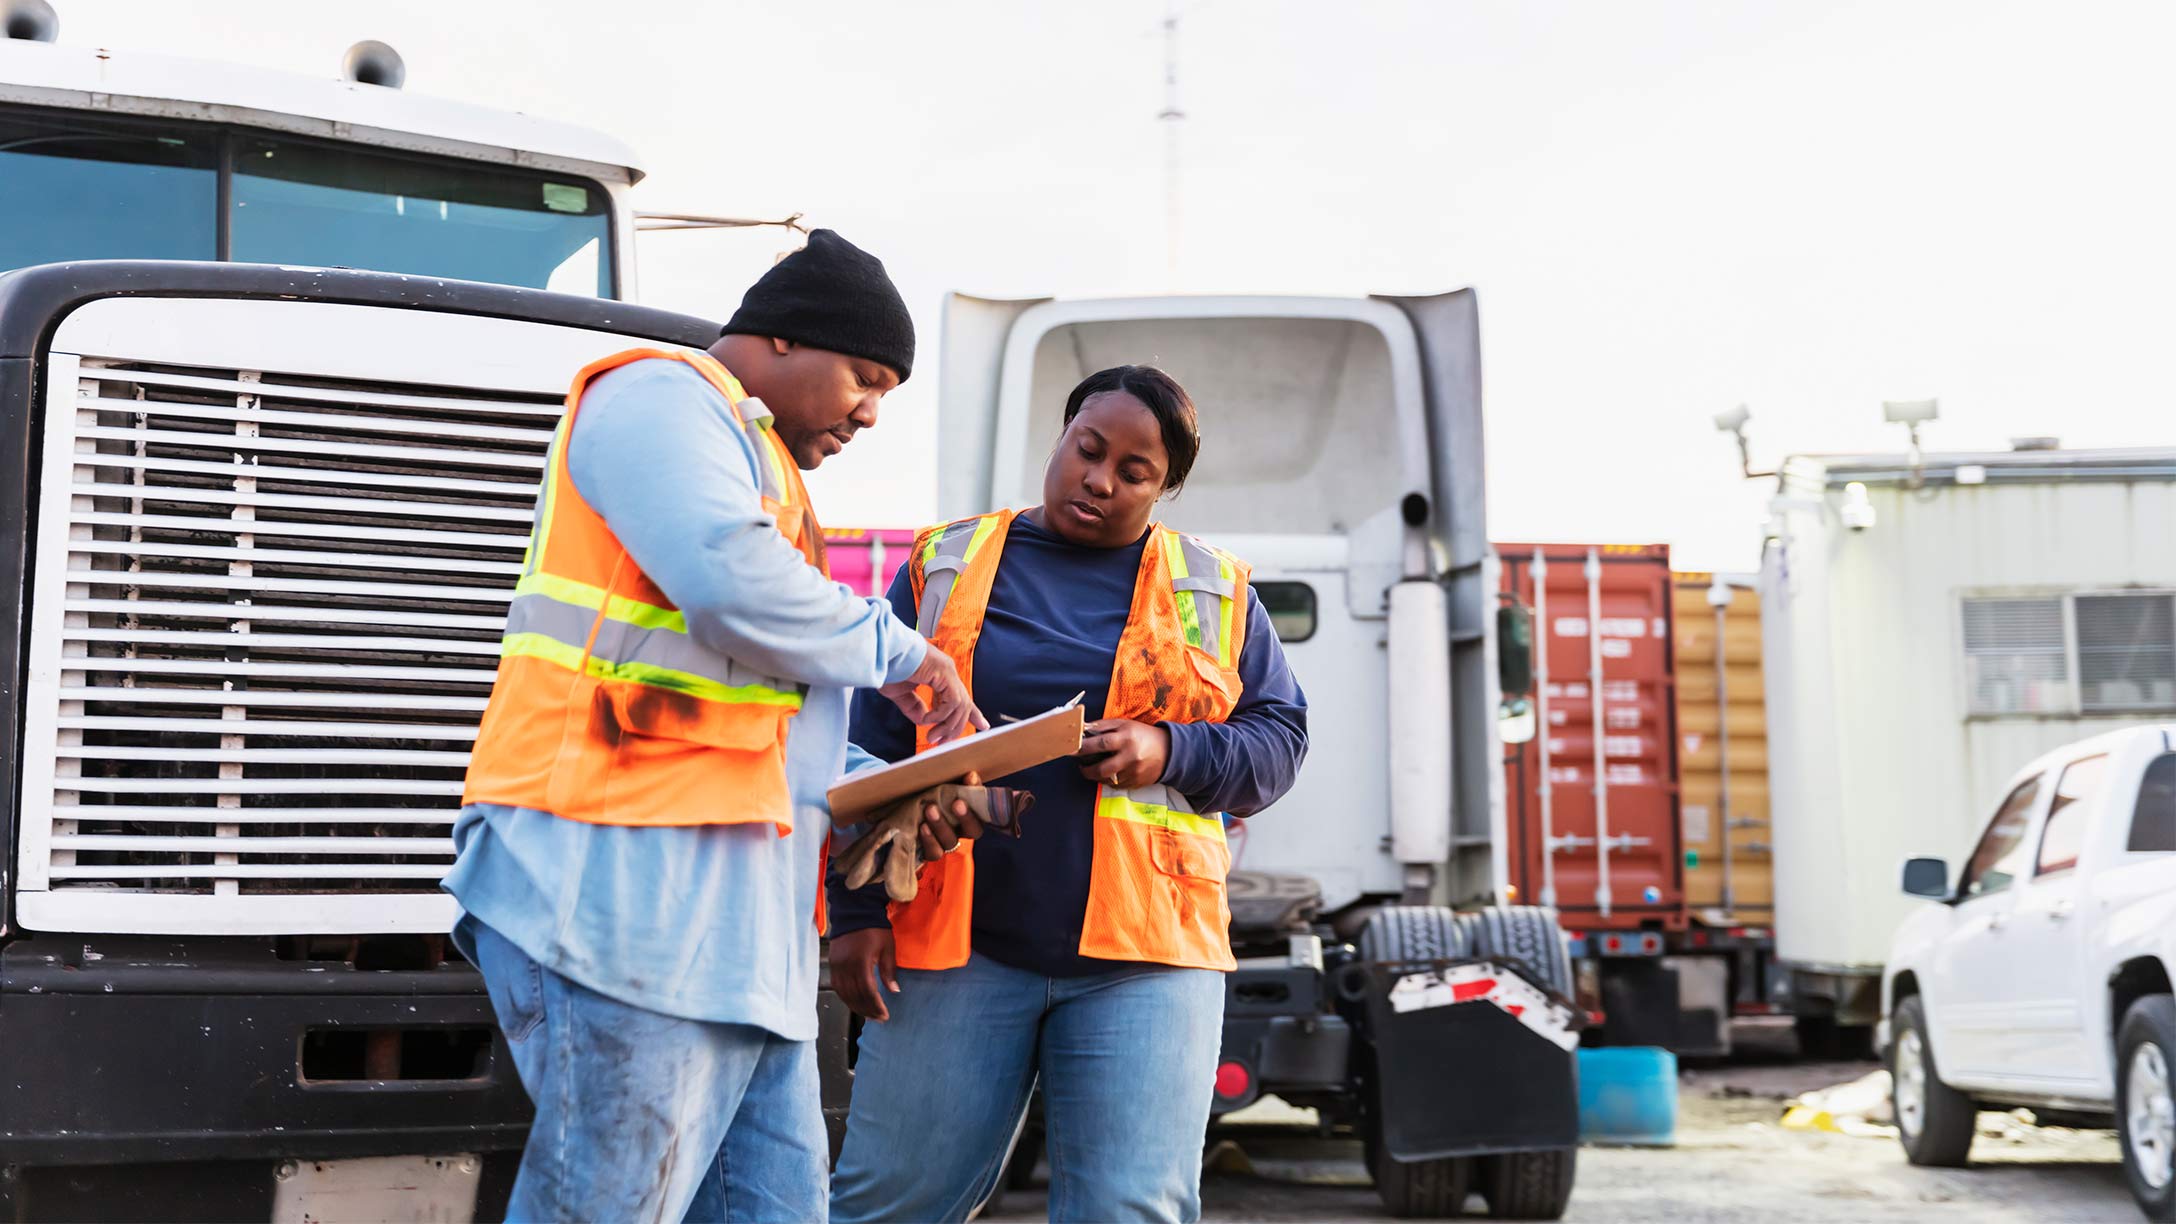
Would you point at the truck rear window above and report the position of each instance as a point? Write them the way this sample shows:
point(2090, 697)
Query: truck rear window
point(2153, 820)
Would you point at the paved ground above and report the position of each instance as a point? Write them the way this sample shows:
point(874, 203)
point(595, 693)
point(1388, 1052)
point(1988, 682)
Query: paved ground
point(1732, 1162)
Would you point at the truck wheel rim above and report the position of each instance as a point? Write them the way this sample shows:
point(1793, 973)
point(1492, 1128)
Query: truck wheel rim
point(2151, 1115)
point(1911, 1081)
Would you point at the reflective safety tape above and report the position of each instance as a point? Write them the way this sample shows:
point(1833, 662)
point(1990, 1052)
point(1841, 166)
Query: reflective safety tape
point(615, 607)
point(552, 650)
point(1159, 806)
point(947, 553)
point(1208, 587)
point(668, 651)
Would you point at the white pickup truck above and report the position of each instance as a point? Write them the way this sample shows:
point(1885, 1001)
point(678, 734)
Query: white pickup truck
point(2041, 979)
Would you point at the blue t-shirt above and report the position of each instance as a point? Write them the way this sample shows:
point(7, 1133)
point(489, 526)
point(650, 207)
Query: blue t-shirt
point(1055, 616)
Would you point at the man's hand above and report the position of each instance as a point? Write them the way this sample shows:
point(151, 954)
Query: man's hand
point(949, 710)
point(1125, 754)
point(859, 959)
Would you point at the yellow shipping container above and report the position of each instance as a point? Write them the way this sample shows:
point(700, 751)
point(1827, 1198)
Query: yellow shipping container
point(1700, 753)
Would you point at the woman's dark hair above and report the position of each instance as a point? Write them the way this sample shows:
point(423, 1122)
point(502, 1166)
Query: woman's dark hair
point(1173, 407)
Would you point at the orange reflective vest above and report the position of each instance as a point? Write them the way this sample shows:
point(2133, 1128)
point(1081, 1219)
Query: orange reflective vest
point(1156, 884)
point(606, 709)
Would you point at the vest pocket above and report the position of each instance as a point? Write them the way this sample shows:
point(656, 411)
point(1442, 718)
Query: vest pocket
point(661, 713)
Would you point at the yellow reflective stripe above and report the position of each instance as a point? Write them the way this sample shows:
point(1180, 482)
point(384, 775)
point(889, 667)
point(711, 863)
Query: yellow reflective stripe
point(983, 528)
point(1229, 610)
point(618, 608)
point(552, 650)
point(772, 450)
point(540, 530)
point(1175, 561)
point(1118, 807)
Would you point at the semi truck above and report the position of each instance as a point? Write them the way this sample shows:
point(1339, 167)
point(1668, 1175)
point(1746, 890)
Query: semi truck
point(259, 523)
point(1344, 462)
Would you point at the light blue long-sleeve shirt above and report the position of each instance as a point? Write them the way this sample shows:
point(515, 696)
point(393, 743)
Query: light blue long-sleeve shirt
point(708, 922)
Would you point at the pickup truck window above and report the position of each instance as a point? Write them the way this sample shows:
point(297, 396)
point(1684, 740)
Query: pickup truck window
point(2153, 821)
point(2067, 815)
point(2000, 856)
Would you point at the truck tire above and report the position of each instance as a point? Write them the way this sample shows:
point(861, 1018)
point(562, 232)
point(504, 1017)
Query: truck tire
point(1528, 934)
point(1414, 933)
point(2145, 1074)
point(1529, 1185)
point(1526, 1185)
point(1933, 1120)
point(1423, 1189)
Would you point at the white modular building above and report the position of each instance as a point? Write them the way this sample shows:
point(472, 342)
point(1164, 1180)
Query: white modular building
point(1930, 625)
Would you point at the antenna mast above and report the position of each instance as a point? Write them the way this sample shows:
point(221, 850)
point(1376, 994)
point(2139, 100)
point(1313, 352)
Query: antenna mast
point(1171, 116)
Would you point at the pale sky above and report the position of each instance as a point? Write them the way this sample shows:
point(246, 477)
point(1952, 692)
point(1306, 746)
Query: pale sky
point(1668, 208)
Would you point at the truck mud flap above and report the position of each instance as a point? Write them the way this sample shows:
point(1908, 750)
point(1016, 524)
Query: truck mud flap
point(1470, 1057)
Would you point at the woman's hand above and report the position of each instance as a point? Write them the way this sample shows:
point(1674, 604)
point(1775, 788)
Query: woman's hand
point(858, 960)
point(1133, 754)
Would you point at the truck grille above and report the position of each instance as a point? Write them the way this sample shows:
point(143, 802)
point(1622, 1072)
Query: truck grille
point(274, 634)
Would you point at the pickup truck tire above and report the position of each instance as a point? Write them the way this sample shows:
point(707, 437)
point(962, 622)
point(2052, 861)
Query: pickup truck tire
point(2145, 1074)
point(1526, 1185)
point(1422, 1189)
point(1942, 1136)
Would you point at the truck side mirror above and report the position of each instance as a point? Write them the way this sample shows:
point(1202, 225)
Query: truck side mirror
point(1926, 877)
point(1514, 651)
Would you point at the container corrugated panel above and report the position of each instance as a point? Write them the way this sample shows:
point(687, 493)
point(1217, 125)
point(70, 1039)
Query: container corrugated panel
point(1701, 717)
point(1645, 862)
point(865, 558)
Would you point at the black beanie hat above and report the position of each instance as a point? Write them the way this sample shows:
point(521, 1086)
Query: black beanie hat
point(831, 295)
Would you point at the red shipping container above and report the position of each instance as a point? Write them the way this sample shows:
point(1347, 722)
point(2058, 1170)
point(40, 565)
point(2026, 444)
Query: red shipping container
point(865, 558)
point(1644, 862)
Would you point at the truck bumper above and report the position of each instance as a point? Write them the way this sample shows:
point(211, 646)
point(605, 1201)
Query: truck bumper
point(167, 1056)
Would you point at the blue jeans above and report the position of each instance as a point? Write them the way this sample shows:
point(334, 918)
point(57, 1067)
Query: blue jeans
point(1128, 1067)
point(644, 1116)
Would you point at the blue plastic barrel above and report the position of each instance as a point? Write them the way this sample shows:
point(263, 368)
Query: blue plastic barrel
point(1628, 1095)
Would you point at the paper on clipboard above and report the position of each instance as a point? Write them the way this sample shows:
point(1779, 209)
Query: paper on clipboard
point(993, 754)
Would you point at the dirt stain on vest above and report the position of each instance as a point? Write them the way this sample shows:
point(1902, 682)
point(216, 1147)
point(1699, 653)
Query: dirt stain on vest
point(642, 710)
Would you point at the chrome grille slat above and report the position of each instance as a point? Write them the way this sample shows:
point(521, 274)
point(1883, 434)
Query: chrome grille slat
point(268, 626)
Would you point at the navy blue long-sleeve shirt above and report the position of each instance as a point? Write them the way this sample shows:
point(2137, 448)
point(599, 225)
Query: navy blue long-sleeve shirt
point(1055, 616)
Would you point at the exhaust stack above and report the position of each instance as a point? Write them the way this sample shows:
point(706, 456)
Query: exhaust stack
point(29, 20)
point(370, 63)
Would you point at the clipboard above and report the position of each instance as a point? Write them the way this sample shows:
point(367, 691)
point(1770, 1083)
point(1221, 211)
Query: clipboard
point(993, 754)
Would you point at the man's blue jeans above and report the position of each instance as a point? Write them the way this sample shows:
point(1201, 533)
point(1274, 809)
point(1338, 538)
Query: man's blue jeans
point(644, 1116)
point(1128, 1067)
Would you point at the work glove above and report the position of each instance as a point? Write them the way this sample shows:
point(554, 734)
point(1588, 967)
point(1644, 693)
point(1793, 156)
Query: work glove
point(899, 827)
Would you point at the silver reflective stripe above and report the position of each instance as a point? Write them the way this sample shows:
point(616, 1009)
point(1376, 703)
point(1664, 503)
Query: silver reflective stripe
point(941, 572)
point(1215, 584)
point(756, 421)
point(1207, 586)
point(619, 642)
point(554, 618)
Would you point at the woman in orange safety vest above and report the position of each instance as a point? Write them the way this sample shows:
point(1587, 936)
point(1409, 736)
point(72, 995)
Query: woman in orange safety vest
point(1089, 953)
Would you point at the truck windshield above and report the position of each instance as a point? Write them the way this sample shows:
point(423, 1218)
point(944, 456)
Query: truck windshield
point(77, 188)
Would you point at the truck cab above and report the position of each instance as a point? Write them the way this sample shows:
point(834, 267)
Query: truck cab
point(2040, 975)
point(1342, 459)
point(260, 516)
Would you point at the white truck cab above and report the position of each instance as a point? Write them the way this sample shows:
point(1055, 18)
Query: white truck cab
point(279, 360)
point(2040, 976)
